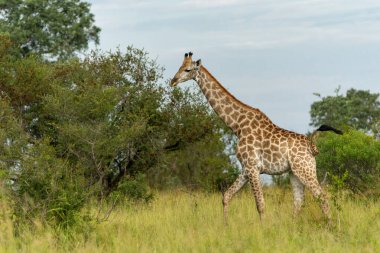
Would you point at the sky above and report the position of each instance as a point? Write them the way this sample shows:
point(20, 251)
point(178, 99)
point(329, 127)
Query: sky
point(270, 54)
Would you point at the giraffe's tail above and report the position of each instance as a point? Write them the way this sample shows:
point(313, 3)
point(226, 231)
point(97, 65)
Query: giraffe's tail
point(314, 135)
point(329, 128)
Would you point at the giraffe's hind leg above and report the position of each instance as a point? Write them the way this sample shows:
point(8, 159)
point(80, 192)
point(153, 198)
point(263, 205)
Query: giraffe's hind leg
point(234, 188)
point(298, 193)
point(305, 170)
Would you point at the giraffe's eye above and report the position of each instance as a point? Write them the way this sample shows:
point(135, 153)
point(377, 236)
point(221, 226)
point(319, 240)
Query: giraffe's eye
point(187, 70)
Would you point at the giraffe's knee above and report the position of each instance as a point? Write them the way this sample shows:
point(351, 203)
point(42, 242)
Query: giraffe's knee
point(298, 194)
point(316, 190)
point(226, 198)
point(224, 202)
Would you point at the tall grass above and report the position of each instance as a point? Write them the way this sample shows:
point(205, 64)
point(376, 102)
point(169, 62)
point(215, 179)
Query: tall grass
point(179, 221)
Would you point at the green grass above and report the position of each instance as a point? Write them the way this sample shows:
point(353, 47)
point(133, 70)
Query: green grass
point(177, 221)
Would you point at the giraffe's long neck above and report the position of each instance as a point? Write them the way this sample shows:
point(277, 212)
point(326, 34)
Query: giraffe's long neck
point(233, 112)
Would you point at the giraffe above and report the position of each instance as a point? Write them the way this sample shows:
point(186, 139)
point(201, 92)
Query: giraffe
point(262, 146)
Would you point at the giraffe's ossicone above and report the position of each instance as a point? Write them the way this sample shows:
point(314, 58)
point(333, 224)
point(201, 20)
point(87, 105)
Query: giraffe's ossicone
point(262, 146)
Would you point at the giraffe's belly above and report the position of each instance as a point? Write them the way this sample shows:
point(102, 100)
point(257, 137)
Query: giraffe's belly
point(275, 167)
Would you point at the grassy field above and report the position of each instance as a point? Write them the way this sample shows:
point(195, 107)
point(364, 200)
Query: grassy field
point(179, 221)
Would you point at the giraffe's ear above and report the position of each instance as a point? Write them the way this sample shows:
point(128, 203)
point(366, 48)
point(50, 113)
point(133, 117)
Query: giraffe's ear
point(198, 63)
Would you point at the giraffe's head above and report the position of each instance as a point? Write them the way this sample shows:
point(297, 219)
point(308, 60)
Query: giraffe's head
point(187, 70)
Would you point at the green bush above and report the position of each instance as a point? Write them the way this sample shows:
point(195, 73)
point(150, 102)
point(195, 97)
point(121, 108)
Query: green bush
point(46, 188)
point(352, 159)
point(39, 185)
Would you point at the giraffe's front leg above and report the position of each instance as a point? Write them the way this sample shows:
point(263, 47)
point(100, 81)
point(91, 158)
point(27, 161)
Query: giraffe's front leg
point(252, 162)
point(254, 179)
point(234, 188)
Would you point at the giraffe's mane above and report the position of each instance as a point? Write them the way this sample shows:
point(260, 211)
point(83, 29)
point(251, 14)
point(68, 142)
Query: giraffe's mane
point(232, 96)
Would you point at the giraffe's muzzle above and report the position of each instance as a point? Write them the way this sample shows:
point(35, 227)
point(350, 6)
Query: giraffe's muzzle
point(174, 82)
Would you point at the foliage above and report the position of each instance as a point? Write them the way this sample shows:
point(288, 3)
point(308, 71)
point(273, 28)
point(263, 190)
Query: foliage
point(201, 165)
point(23, 81)
point(135, 189)
point(48, 27)
point(352, 161)
point(12, 137)
point(196, 154)
point(358, 108)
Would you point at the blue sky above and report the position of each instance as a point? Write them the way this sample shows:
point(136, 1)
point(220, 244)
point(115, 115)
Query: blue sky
point(271, 54)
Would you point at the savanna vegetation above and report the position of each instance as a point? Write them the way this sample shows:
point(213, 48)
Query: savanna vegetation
point(179, 221)
point(99, 154)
